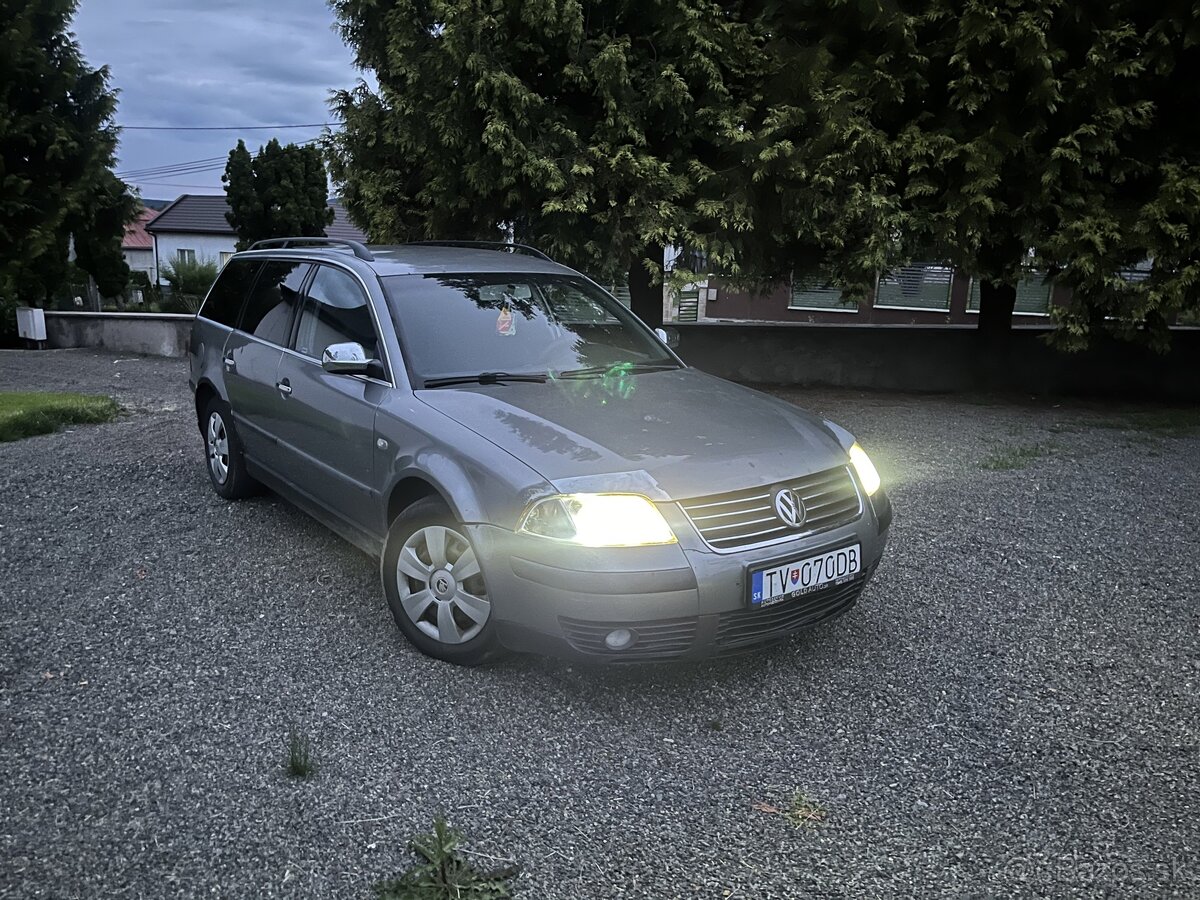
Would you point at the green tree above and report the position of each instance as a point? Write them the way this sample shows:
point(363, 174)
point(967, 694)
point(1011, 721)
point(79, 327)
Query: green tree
point(99, 229)
point(57, 144)
point(781, 137)
point(587, 129)
point(994, 135)
point(280, 191)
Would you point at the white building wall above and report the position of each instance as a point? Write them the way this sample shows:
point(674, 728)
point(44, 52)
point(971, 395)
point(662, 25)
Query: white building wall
point(205, 246)
point(141, 261)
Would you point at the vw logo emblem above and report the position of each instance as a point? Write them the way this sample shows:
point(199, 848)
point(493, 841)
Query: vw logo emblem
point(790, 508)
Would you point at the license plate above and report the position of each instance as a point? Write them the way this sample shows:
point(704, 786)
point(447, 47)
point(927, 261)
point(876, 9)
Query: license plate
point(803, 576)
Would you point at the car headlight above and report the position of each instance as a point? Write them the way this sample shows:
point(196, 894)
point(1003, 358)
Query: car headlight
point(599, 520)
point(867, 473)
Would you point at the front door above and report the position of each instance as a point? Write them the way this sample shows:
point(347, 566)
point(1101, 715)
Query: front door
point(328, 433)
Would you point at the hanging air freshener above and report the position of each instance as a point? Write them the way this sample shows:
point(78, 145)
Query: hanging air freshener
point(506, 324)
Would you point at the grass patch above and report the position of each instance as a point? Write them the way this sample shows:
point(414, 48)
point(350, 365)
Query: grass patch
point(300, 760)
point(1160, 422)
point(443, 873)
point(1017, 457)
point(24, 415)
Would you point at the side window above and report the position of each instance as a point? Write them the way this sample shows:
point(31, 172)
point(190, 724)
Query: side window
point(335, 312)
point(275, 296)
point(224, 301)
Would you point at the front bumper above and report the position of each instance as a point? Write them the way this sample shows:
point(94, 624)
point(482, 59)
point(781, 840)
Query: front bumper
point(681, 600)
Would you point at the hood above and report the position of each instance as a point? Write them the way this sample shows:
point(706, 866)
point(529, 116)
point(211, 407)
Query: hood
point(673, 434)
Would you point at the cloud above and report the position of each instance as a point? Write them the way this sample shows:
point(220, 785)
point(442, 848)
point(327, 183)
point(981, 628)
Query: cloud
point(216, 62)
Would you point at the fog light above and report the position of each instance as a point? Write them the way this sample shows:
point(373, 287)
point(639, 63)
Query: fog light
point(619, 639)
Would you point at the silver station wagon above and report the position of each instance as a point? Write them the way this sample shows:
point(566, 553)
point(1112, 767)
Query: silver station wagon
point(535, 469)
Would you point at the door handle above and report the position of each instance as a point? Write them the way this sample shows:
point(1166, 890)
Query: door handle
point(284, 387)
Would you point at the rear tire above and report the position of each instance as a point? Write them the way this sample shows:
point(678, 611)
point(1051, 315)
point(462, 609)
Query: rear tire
point(223, 452)
point(434, 586)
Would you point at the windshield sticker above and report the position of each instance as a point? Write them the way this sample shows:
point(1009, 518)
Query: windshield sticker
point(506, 324)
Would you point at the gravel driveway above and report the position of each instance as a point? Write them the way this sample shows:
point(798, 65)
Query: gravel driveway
point(1011, 710)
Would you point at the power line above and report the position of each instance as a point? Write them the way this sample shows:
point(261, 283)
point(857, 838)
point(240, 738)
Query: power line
point(226, 127)
point(176, 184)
point(178, 169)
point(188, 167)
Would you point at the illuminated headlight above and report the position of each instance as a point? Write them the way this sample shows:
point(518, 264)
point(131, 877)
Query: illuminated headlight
point(865, 469)
point(599, 520)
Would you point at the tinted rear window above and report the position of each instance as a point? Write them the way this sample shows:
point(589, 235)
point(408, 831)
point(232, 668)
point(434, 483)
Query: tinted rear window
point(224, 301)
point(275, 297)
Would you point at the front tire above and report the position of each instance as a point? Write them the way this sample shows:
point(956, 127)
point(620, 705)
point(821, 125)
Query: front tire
point(435, 587)
point(223, 452)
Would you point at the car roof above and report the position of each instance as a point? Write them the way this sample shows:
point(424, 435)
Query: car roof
point(419, 259)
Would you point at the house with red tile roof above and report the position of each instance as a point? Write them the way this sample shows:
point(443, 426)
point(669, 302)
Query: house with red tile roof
point(137, 247)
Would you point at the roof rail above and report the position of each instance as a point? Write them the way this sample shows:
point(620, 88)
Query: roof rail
point(488, 245)
point(359, 249)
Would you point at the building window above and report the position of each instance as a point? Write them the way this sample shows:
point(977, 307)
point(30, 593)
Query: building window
point(812, 291)
point(1033, 294)
point(916, 286)
point(689, 306)
point(225, 257)
point(185, 256)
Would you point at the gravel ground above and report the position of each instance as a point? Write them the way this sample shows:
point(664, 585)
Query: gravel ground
point(1011, 710)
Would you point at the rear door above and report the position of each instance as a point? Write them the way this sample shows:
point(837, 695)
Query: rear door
point(328, 432)
point(218, 316)
point(252, 354)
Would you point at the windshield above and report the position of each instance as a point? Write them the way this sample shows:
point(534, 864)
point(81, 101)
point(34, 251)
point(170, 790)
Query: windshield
point(465, 325)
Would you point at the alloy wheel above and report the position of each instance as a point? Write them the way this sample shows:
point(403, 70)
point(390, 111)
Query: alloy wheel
point(218, 448)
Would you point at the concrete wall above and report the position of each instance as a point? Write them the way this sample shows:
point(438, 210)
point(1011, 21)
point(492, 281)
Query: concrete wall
point(942, 358)
point(152, 334)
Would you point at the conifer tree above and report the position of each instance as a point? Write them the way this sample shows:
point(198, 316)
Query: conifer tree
point(279, 192)
point(57, 147)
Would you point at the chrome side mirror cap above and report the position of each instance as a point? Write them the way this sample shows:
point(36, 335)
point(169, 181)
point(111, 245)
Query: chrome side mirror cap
point(668, 336)
point(345, 359)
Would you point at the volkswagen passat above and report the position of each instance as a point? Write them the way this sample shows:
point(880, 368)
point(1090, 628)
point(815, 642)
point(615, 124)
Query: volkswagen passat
point(534, 468)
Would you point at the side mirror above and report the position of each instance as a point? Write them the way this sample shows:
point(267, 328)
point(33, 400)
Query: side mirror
point(668, 336)
point(345, 359)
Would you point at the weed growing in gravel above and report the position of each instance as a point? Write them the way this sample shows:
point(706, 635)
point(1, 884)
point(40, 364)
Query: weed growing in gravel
point(444, 874)
point(1015, 457)
point(26, 414)
point(804, 811)
point(300, 760)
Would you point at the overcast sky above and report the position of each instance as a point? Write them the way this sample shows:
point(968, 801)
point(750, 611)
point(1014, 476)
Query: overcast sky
point(211, 62)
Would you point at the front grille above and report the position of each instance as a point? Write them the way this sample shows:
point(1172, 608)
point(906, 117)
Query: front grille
point(662, 638)
point(746, 627)
point(747, 518)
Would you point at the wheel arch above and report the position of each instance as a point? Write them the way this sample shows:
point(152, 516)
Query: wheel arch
point(466, 491)
point(410, 488)
point(205, 391)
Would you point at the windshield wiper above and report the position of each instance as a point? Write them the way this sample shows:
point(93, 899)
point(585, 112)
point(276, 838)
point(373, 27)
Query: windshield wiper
point(484, 378)
point(617, 369)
